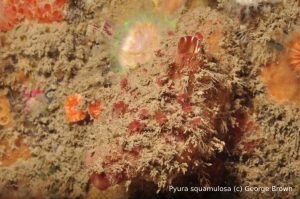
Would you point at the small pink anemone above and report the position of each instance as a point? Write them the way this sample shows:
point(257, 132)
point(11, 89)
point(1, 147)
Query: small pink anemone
point(187, 49)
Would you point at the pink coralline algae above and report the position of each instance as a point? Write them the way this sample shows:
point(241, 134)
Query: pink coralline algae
point(12, 12)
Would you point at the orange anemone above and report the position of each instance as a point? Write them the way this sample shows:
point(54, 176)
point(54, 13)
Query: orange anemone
point(71, 106)
point(282, 78)
point(294, 55)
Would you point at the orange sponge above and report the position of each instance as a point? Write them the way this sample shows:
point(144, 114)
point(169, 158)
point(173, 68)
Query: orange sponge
point(71, 107)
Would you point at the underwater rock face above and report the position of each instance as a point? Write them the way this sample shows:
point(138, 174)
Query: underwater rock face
point(189, 109)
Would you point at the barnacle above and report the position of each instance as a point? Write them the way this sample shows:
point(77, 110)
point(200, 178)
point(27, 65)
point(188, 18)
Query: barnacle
point(5, 112)
point(74, 114)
